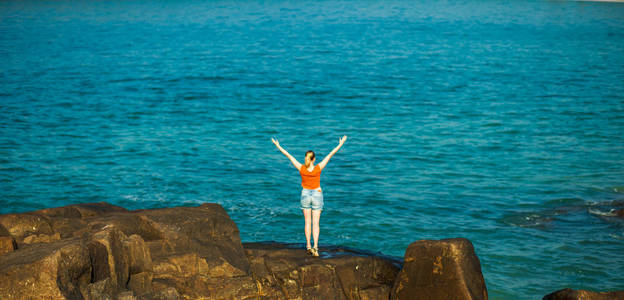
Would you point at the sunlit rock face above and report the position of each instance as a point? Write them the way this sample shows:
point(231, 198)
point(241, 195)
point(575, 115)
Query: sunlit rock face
point(440, 269)
point(102, 251)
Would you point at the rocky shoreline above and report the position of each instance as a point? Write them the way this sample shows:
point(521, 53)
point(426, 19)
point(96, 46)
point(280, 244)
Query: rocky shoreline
point(102, 251)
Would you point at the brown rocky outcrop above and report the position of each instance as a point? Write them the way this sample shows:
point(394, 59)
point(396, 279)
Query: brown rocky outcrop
point(444, 269)
point(102, 251)
point(287, 272)
point(570, 294)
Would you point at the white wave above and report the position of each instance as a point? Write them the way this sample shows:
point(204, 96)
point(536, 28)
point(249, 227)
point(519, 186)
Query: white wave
point(610, 213)
point(130, 197)
point(617, 236)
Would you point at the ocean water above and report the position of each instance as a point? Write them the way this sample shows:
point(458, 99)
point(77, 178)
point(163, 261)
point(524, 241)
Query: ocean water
point(498, 121)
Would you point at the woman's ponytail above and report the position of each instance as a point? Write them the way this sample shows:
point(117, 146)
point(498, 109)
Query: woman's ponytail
point(309, 161)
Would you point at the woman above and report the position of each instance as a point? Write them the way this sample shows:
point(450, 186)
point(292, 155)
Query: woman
point(312, 194)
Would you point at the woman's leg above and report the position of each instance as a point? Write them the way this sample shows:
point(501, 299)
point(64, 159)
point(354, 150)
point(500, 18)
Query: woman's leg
point(308, 226)
point(316, 217)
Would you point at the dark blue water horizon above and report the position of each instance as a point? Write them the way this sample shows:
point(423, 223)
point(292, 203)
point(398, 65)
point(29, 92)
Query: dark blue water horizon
point(496, 121)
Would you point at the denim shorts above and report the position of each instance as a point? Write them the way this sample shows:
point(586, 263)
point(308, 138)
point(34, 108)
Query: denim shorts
point(311, 199)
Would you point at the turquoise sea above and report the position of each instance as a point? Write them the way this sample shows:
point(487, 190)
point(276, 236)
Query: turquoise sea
point(498, 121)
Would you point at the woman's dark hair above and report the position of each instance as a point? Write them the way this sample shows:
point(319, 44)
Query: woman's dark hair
point(307, 163)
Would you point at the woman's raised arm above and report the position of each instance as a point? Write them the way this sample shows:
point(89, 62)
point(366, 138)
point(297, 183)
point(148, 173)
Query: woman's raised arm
point(290, 157)
point(329, 156)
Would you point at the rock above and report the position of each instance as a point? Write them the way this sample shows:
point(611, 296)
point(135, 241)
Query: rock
point(4, 232)
point(206, 230)
point(70, 221)
point(54, 270)
point(127, 295)
point(168, 293)
point(108, 252)
point(41, 238)
point(192, 277)
point(204, 287)
point(7, 242)
point(620, 212)
point(46, 223)
point(103, 289)
point(183, 265)
point(129, 224)
point(22, 225)
point(444, 269)
point(141, 283)
point(285, 272)
point(109, 258)
point(83, 210)
point(570, 294)
point(374, 293)
point(317, 281)
point(101, 251)
point(69, 227)
point(140, 259)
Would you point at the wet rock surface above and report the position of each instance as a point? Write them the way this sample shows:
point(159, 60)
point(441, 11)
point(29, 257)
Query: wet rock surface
point(102, 251)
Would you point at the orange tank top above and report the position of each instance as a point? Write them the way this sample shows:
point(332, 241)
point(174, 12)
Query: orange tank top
point(310, 180)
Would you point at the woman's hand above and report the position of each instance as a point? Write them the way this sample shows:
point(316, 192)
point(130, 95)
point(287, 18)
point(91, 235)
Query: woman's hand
point(341, 142)
point(343, 139)
point(275, 142)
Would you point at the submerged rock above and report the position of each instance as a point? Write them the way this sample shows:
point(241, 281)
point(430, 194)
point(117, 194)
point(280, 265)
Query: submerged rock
point(570, 294)
point(444, 269)
point(102, 251)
